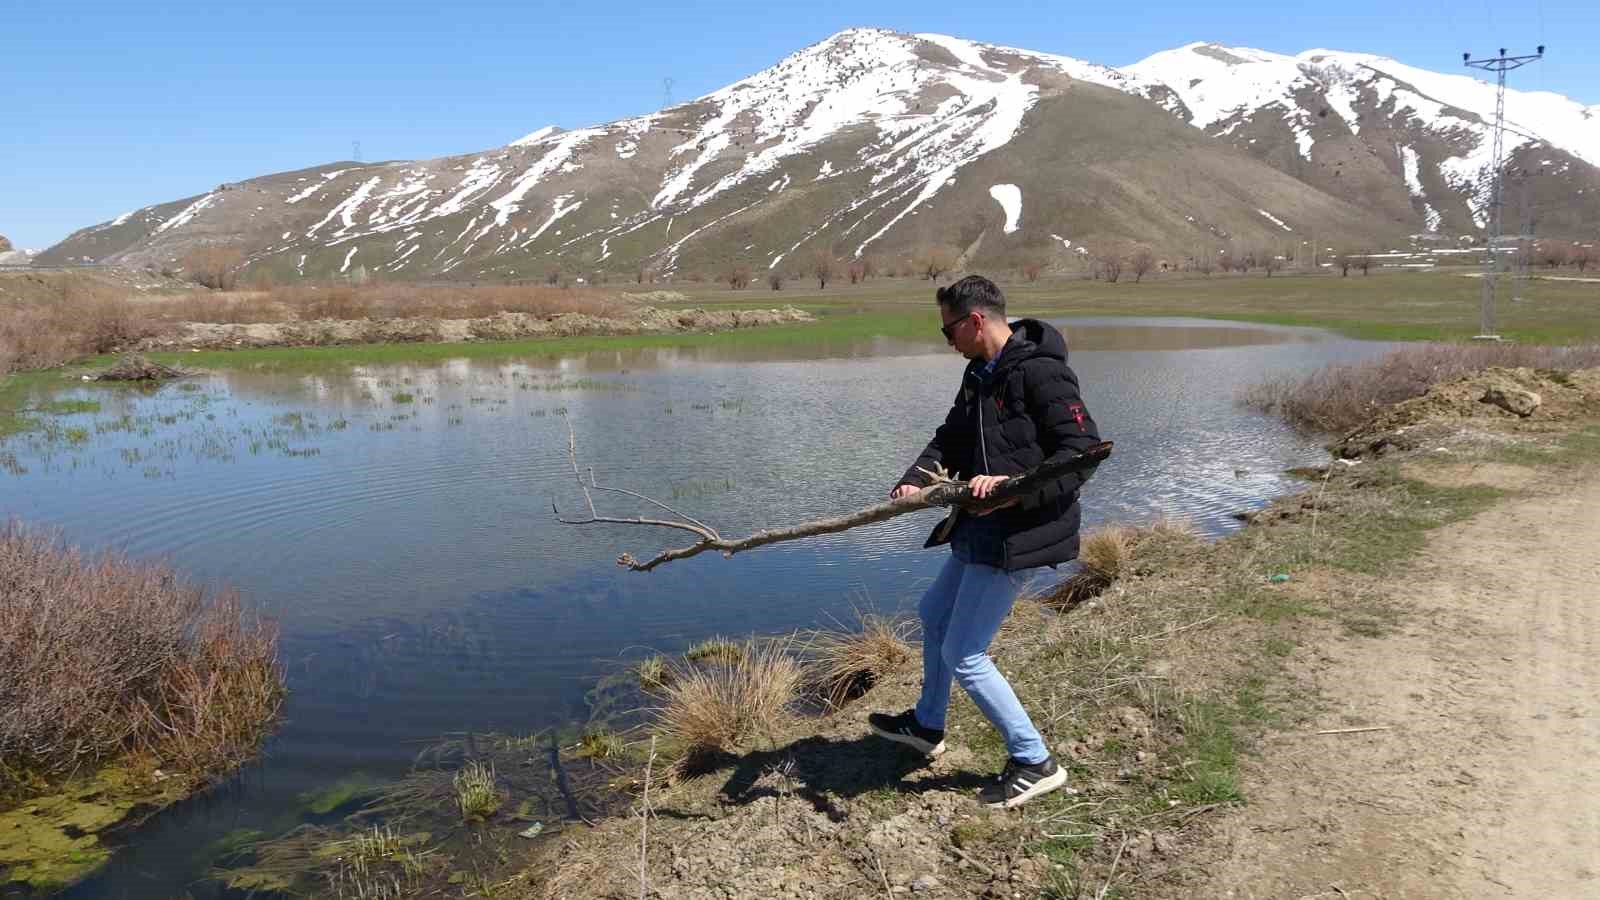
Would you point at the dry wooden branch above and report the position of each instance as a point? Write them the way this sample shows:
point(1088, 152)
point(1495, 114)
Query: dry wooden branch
point(944, 491)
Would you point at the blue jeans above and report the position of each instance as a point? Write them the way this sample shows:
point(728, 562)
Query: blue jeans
point(961, 612)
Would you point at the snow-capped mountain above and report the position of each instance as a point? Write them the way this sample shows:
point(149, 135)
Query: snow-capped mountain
point(1435, 130)
point(878, 142)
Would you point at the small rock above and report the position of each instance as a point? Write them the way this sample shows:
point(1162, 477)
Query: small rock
point(925, 883)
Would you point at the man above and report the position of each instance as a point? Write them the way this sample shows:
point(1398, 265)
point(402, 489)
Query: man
point(1018, 407)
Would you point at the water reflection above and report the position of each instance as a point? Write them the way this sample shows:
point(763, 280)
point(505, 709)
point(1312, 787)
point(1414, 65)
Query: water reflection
point(396, 520)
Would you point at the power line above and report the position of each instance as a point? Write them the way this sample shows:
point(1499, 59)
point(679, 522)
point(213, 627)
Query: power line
point(1500, 65)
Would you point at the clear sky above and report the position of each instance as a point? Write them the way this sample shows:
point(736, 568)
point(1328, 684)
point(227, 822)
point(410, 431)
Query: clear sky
point(106, 107)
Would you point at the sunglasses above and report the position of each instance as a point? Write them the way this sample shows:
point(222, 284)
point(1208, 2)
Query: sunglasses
point(949, 331)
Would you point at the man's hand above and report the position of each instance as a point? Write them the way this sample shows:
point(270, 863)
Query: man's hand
point(984, 485)
point(903, 490)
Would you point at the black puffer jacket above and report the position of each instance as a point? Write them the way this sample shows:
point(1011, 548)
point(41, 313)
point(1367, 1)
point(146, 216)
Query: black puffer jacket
point(1025, 412)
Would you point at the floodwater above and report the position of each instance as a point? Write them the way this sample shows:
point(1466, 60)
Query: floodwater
point(396, 521)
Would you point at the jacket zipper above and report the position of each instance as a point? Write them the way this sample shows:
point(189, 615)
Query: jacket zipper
point(983, 445)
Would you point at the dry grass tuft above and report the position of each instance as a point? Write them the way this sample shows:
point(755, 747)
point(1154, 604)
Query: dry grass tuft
point(1108, 551)
point(1338, 398)
point(846, 663)
point(102, 656)
point(1109, 554)
point(718, 708)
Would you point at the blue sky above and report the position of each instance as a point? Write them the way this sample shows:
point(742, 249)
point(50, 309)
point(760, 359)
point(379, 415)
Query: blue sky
point(107, 107)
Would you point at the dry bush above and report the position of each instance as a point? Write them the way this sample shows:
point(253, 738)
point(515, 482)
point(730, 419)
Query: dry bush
point(716, 708)
point(337, 300)
point(1111, 259)
point(1141, 261)
point(823, 267)
point(1337, 398)
point(737, 275)
point(1582, 255)
point(88, 317)
point(101, 656)
point(845, 663)
point(213, 267)
point(1553, 253)
point(857, 271)
point(933, 262)
point(775, 280)
point(221, 309)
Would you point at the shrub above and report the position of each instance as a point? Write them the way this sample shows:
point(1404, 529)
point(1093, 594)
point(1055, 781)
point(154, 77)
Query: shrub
point(1342, 396)
point(102, 656)
point(213, 267)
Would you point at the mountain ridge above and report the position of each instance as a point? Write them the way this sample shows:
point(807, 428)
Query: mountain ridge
point(881, 142)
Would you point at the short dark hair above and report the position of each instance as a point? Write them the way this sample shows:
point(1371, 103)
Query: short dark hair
point(973, 292)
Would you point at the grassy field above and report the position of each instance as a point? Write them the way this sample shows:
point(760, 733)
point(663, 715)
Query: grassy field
point(1390, 306)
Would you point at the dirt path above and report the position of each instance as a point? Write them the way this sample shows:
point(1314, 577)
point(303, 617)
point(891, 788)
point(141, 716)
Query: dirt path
point(1486, 782)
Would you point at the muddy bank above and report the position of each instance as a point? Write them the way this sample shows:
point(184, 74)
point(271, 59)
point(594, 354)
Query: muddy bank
point(499, 327)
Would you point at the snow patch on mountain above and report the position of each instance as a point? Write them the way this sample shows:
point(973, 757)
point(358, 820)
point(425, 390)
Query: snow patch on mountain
point(558, 157)
point(535, 136)
point(188, 213)
point(327, 177)
point(1274, 220)
point(1412, 169)
point(1009, 196)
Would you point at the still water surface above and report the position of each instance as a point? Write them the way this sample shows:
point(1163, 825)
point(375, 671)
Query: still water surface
point(396, 521)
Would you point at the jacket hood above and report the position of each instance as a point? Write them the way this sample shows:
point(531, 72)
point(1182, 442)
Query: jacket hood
point(1029, 338)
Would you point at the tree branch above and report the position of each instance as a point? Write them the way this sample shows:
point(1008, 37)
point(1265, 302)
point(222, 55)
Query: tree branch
point(943, 492)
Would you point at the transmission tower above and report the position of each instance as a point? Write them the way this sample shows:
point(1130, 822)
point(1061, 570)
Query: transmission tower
point(1500, 65)
point(355, 150)
point(666, 92)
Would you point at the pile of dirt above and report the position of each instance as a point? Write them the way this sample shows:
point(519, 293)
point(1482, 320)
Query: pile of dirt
point(1519, 398)
point(135, 367)
point(499, 327)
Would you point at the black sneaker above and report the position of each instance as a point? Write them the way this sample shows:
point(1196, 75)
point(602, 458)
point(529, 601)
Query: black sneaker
point(1021, 782)
point(905, 729)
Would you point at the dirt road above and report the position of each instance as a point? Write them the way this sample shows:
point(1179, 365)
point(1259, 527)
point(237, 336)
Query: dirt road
point(1485, 781)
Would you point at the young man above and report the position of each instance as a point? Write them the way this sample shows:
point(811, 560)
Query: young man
point(1018, 407)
